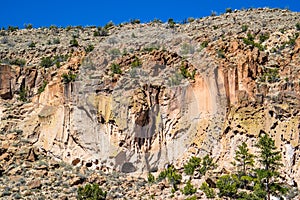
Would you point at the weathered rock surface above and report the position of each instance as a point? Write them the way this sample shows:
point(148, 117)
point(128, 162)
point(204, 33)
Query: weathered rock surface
point(149, 95)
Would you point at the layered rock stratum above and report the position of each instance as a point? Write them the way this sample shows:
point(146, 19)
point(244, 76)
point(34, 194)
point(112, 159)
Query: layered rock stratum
point(145, 96)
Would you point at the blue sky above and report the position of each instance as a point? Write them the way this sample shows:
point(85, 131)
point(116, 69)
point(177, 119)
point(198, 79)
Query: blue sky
point(92, 12)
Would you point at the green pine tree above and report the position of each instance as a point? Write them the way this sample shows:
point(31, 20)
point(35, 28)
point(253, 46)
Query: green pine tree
point(244, 161)
point(207, 164)
point(267, 175)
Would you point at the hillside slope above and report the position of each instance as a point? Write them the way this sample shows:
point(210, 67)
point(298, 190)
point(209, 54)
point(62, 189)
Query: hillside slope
point(135, 97)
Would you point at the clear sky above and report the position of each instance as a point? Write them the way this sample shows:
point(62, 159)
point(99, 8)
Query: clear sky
point(97, 12)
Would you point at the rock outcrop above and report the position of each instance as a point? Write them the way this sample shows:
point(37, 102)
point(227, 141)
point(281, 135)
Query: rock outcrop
point(148, 95)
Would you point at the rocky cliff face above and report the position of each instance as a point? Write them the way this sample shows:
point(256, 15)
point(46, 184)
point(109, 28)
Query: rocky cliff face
point(148, 94)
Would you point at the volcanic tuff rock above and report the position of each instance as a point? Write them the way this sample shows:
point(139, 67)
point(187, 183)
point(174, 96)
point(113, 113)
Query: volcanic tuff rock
point(149, 94)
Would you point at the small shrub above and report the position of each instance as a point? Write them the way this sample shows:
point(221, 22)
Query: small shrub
point(135, 21)
point(263, 37)
point(171, 23)
point(192, 164)
point(136, 62)
point(31, 44)
point(115, 52)
point(186, 74)
point(158, 21)
point(250, 41)
point(91, 192)
point(191, 19)
point(227, 185)
point(23, 94)
point(115, 68)
point(245, 28)
point(209, 192)
point(213, 13)
point(271, 75)
point(74, 42)
point(298, 26)
point(67, 78)
point(68, 28)
point(56, 41)
point(109, 25)
point(151, 178)
point(53, 27)
point(206, 164)
point(221, 53)
point(187, 49)
point(28, 26)
point(18, 61)
point(171, 174)
point(192, 198)
point(46, 62)
point(12, 28)
point(228, 10)
point(42, 88)
point(175, 79)
point(189, 189)
point(101, 32)
point(204, 44)
point(89, 48)
point(151, 48)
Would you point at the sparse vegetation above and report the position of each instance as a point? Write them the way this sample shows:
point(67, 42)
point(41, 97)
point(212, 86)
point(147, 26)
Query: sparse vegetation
point(74, 42)
point(220, 53)
point(89, 48)
point(204, 44)
point(267, 174)
point(135, 21)
point(228, 10)
point(189, 189)
point(114, 52)
point(227, 185)
point(53, 27)
point(31, 44)
point(101, 32)
point(213, 13)
point(70, 77)
point(175, 79)
point(250, 41)
point(187, 49)
point(46, 62)
point(245, 28)
point(23, 94)
point(18, 61)
point(263, 37)
point(91, 192)
point(42, 87)
point(209, 192)
point(151, 178)
point(270, 75)
point(28, 26)
point(109, 25)
point(192, 164)
point(173, 177)
point(151, 48)
point(191, 19)
point(185, 73)
point(56, 41)
point(171, 23)
point(298, 26)
point(115, 69)
point(207, 164)
point(12, 28)
point(136, 63)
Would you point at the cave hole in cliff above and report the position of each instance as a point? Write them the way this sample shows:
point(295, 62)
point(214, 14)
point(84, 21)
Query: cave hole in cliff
point(121, 143)
point(89, 164)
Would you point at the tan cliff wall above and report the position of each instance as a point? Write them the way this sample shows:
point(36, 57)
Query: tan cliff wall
point(150, 114)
